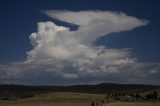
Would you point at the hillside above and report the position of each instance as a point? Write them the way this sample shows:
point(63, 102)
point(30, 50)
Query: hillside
point(15, 92)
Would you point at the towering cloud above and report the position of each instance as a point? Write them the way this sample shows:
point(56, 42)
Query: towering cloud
point(58, 42)
point(53, 41)
point(61, 53)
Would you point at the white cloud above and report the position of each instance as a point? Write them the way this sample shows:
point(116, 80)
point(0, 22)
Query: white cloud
point(61, 53)
point(58, 42)
point(94, 24)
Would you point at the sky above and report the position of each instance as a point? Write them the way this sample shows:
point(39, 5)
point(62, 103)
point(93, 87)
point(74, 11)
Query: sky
point(63, 42)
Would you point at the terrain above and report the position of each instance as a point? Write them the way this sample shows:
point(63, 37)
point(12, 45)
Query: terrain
point(104, 94)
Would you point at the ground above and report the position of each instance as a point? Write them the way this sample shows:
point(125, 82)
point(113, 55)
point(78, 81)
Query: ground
point(57, 99)
point(133, 104)
point(71, 99)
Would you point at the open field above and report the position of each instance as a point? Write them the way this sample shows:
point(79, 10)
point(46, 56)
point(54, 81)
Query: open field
point(80, 104)
point(82, 99)
point(133, 104)
point(45, 104)
point(71, 99)
point(57, 99)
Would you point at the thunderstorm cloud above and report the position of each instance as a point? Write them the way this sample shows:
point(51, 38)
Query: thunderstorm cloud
point(60, 55)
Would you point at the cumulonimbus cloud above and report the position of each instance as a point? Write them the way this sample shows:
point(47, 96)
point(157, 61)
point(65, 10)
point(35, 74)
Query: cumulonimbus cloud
point(70, 54)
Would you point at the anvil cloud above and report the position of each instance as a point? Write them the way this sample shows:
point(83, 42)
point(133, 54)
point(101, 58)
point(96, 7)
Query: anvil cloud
point(62, 54)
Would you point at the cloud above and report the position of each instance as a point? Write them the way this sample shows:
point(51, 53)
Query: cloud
point(61, 55)
point(94, 24)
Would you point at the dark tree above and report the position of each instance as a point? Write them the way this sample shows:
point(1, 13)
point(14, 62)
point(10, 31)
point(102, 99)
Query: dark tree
point(97, 103)
point(102, 101)
point(92, 104)
point(155, 95)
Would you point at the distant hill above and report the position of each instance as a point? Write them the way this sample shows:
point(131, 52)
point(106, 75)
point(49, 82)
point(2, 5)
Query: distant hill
point(14, 92)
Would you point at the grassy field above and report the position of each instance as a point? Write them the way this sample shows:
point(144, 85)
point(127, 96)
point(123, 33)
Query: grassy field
point(133, 104)
point(71, 99)
point(80, 104)
point(57, 99)
point(45, 104)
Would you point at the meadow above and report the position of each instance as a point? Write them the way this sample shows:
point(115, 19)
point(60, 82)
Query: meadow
point(72, 99)
point(57, 99)
point(133, 104)
point(105, 94)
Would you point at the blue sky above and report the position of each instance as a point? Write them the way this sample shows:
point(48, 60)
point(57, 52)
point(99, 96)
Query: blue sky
point(19, 19)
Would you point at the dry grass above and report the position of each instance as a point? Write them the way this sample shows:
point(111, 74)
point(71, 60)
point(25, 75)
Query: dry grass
point(133, 104)
point(44, 104)
point(70, 99)
point(57, 99)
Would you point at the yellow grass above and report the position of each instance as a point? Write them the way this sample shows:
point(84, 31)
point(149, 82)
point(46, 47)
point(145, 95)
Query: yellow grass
point(57, 99)
point(133, 104)
point(70, 99)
